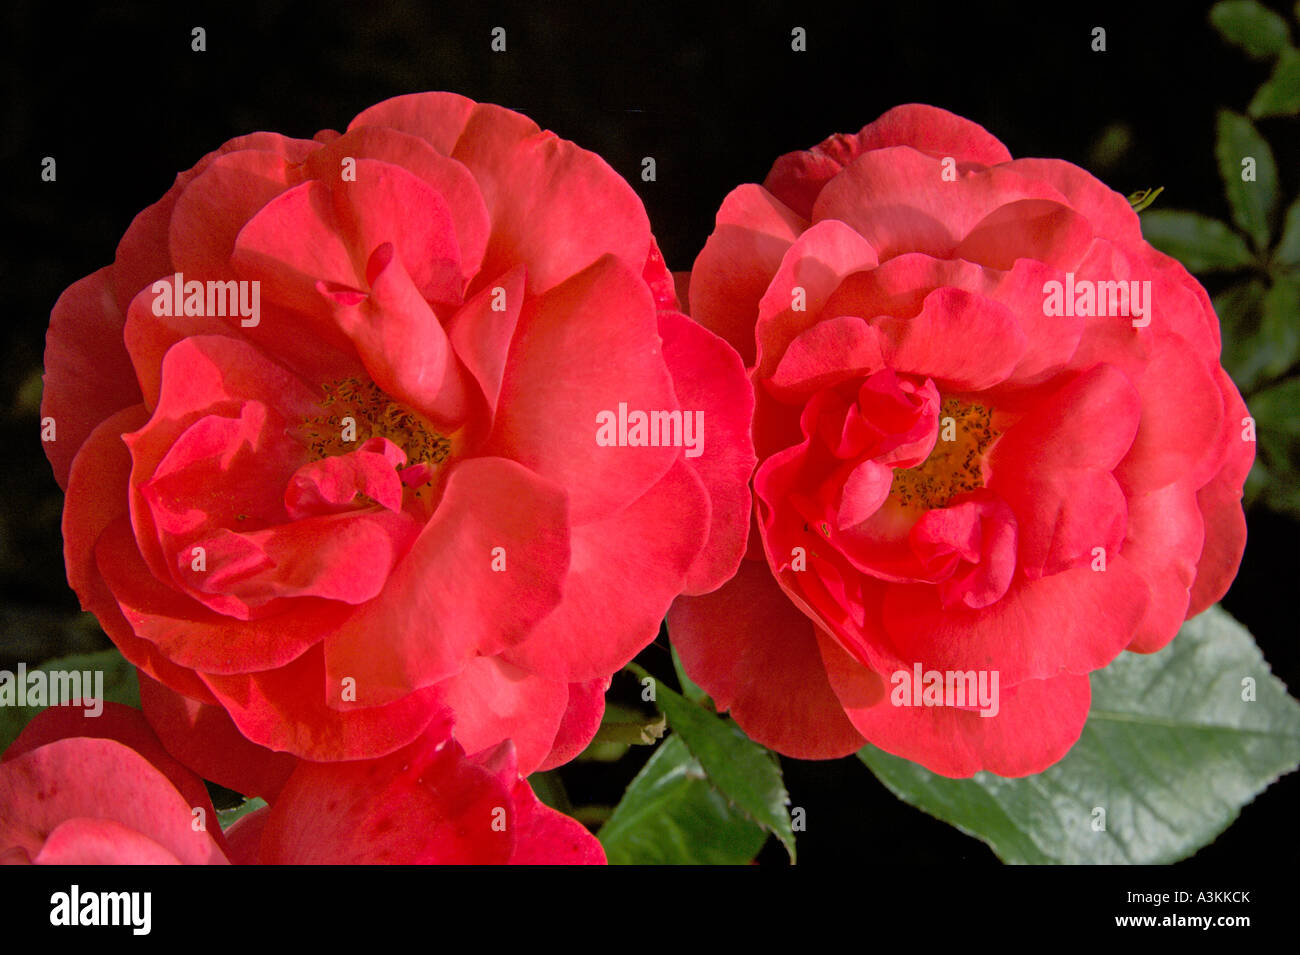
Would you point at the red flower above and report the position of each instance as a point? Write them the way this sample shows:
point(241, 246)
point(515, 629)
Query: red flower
point(89, 791)
point(81, 790)
point(995, 443)
point(328, 431)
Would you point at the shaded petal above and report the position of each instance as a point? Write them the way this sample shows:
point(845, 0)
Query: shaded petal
point(753, 230)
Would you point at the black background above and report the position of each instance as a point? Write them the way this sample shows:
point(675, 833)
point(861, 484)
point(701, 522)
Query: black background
point(121, 101)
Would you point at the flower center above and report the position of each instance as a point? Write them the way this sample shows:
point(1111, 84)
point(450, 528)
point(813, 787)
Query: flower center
point(356, 411)
point(956, 464)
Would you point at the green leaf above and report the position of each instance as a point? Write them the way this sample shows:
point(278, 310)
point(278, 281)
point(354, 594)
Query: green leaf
point(1280, 326)
point(228, 817)
point(1280, 94)
point(690, 689)
point(1288, 247)
point(1239, 308)
point(1202, 244)
point(120, 686)
point(1171, 752)
point(1253, 201)
point(746, 773)
point(671, 815)
point(1252, 26)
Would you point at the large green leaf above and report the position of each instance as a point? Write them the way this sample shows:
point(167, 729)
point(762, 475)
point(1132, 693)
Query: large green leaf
point(1252, 26)
point(120, 686)
point(1254, 201)
point(746, 773)
point(671, 815)
point(1202, 244)
point(1171, 751)
point(1280, 94)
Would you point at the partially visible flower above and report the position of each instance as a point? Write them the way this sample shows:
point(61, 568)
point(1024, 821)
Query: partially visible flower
point(86, 791)
point(77, 790)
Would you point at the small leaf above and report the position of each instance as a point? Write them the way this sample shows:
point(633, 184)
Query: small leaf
point(1280, 326)
point(1252, 26)
point(1288, 247)
point(1274, 410)
point(1144, 197)
point(1171, 752)
point(1280, 94)
point(1277, 434)
point(1253, 201)
point(744, 772)
point(671, 815)
point(120, 686)
point(1202, 244)
point(1239, 308)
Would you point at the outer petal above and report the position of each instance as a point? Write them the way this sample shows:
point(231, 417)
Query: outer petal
point(580, 722)
point(1220, 502)
point(88, 374)
point(544, 836)
point(797, 178)
point(733, 270)
point(425, 804)
point(624, 572)
point(1036, 724)
point(123, 725)
point(708, 377)
point(83, 777)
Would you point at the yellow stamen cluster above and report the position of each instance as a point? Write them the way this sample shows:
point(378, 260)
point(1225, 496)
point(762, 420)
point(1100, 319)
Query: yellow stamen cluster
point(374, 415)
point(954, 466)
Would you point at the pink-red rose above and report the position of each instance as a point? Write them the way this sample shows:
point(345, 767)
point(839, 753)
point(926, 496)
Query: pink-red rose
point(79, 790)
point(367, 503)
point(969, 465)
